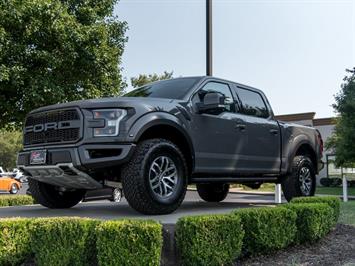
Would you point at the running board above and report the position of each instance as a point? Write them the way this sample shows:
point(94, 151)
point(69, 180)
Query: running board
point(236, 180)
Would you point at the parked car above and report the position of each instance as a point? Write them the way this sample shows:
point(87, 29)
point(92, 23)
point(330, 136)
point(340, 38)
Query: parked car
point(3, 172)
point(163, 136)
point(8, 184)
point(19, 176)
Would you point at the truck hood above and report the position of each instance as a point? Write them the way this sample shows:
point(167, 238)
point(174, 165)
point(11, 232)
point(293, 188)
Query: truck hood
point(114, 102)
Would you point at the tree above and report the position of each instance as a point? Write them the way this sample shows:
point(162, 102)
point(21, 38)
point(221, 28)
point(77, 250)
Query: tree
point(343, 139)
point(55, 51)
point(143, 79)
point(10, 145)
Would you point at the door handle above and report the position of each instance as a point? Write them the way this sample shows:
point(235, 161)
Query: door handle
point(240, 126)
point(274, 131)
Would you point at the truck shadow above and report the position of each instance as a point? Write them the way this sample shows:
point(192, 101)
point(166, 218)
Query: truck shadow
point(106, 210)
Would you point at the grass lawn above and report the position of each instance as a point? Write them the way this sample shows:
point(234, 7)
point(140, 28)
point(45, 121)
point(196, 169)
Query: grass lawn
point(268, 187)
point(334, 191)
point(347, 213)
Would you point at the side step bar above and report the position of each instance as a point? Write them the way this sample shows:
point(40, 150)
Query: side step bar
point(236, 180)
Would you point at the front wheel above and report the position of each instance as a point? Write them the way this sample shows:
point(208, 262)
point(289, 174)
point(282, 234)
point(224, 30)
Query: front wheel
point(155, 180)
point(212, 192)
point(49, 196)
point(14, 189)
point(302, 180)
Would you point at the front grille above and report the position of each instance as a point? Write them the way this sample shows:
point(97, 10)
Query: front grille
point(53, 134)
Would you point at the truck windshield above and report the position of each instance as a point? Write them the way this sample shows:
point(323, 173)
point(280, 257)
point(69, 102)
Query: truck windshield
point(169, 89)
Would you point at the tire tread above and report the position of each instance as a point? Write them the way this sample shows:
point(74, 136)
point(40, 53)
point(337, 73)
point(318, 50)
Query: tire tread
point(133, 182)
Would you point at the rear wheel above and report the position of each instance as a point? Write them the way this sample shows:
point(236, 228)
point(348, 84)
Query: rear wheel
point(49, 196)
point(302, 181)
point(116, 195)
point(213, 192)
point(14, 189)
point(155, 180)
point(254, 185)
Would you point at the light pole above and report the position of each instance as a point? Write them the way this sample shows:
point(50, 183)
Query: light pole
point(209, 37)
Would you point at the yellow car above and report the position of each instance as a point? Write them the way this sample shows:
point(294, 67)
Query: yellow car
point(8, 184)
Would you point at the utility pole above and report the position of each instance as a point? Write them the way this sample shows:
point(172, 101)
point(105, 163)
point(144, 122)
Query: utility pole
point(209, 37)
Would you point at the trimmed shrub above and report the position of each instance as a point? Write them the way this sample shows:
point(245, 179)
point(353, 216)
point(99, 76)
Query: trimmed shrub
point(64, 241)
point(15, 245)
point(209, 239)
point(129, 242)
point(333, 202)
point(314, 220)
point(267, 229)
point(15, 200)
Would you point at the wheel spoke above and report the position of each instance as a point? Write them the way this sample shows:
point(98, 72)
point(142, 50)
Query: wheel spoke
point(163, 176)
point(305, 179)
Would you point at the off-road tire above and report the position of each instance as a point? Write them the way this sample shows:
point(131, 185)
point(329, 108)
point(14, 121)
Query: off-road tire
point(291, 186)
point(48, 196)
point(135, 183)
point(213, 192)
point(12, 190)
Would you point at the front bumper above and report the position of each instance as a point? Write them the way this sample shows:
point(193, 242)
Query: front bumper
point(69, 167)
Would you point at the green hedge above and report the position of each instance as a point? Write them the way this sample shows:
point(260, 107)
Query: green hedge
point(267, 229)
point(314, 220)
point(333, 202)
point(64, 241)
point(129, 242)
point(15, 200)
point(210, 239)
point(15, 245)
point(202, 240)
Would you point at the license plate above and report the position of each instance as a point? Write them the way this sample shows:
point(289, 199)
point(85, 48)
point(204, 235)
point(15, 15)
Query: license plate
point(38, 157)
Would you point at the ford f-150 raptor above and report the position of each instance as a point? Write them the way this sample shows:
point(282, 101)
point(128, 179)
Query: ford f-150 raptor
point(161, 137)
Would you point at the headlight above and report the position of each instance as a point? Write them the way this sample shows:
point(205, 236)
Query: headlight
point(112, 119)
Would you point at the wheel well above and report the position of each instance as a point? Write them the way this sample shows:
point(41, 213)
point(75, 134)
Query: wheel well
point(307, 150)
point(13, 183)
point(174, 135)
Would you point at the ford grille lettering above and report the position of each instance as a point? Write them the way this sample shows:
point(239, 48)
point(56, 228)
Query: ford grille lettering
point(49, 126)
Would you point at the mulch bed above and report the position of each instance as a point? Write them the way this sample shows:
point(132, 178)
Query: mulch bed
point(337, 248)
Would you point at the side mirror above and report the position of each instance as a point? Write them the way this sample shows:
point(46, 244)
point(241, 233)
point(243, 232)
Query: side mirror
point(211, 101)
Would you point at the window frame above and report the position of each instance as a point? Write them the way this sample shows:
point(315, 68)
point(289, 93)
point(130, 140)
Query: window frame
point(241, 105)
point(236, 105)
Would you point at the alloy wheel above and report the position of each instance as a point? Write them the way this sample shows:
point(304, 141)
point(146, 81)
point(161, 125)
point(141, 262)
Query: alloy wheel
point(306, 181)
point(163, 177)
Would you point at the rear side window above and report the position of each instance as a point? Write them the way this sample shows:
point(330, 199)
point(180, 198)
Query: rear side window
point(252, 103)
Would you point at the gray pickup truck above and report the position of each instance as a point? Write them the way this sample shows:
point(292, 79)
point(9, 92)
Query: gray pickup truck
point(161, 137)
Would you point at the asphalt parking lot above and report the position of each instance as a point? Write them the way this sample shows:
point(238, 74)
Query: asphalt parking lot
point(107, 210)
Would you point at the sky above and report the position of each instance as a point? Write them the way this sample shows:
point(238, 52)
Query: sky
point(295, 51)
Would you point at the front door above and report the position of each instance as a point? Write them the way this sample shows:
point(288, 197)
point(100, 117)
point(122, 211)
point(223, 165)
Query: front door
point(216, 137)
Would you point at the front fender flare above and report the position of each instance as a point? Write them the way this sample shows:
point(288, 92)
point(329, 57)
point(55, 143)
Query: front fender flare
point(158, 118)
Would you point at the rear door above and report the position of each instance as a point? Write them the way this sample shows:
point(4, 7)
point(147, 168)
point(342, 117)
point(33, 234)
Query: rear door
point(262, 150)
